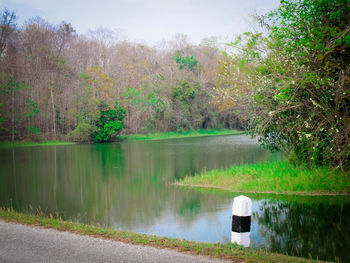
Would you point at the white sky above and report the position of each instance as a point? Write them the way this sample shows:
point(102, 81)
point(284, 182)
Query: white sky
point(148, 21)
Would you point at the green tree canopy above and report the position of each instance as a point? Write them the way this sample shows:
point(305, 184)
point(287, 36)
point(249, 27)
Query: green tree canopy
point(109, 122)
point(300, 81)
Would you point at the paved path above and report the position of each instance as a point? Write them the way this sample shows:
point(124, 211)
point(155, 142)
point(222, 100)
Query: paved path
point(19, 243)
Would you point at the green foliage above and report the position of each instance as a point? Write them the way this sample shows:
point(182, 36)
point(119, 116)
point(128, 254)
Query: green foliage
point(185, 107)
point(300, 82)
point(184, 98)
point(101, 125)
point(32, 110)
point(158, 108)
point(87, 112)
point(26, 143)
point(135, 97)
point(32, 107)
point(148, 103)
point(33, 130)
point(184, 134)
point(11, 86)
point(249, 45)
point(109, 122)
point(186, 62)
point(24, 112)
point(83, 132)
point(157, 104)
point(185, 92)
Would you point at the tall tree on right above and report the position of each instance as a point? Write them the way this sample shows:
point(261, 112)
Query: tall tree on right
point(298, 77)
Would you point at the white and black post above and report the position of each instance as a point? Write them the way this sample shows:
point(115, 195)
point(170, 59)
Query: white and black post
point(241, 218)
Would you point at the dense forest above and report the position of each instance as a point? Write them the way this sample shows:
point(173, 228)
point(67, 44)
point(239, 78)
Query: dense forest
point(56, 84)
point(288, 84)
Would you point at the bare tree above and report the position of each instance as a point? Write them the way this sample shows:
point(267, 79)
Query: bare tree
point(7, 26)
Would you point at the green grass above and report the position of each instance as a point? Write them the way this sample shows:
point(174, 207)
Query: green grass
point(173, 135)
point(131, 137)
point(227, 251)
point(273, 177)
point(29, 143)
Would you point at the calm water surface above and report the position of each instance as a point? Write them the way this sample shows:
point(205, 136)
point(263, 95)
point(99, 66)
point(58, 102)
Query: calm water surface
point(127, 186)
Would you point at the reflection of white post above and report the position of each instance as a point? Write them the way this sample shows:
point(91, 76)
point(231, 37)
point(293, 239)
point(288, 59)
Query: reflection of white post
point(241, 214)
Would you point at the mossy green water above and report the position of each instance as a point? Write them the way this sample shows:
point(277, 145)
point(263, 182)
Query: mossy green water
point(273, 177)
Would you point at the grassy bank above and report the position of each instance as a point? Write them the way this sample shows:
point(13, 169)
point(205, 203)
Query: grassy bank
point(29, 143)
point(273, 177)
point(173, 135)
point(222, 251)
point(132, 137)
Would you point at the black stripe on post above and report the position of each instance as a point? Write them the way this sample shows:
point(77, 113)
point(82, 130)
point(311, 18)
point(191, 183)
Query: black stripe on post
point(240, 224)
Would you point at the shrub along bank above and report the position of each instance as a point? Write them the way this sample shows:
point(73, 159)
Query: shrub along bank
point(174, 135)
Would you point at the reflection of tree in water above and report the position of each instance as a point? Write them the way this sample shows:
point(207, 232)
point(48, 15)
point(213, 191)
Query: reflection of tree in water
point(318, 229)
point(124, 185)
point(108, 184)
point(190, 207)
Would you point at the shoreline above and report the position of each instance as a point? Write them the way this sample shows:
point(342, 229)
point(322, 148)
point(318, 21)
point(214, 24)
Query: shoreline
point(130, 137)
point(179, 135)
point(226, 189)
point(8, 144)
point(226, 251)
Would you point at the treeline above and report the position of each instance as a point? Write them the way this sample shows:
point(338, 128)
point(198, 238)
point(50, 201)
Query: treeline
point(56, 84)
point(289, 84)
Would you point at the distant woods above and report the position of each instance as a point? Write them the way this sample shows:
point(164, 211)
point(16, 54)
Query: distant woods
point(56, 84)
point(288, 84)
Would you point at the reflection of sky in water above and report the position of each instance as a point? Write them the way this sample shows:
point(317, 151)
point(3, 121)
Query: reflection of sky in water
point(205, 227)
point(210, 227)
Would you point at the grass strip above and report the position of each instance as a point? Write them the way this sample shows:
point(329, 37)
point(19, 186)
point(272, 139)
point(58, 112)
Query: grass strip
point(273, 177)
point(174, 135)
point(227, 251)
point(7, 144)
point(132, 137)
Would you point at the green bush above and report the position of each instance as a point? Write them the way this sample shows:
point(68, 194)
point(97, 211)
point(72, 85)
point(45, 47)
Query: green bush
point(109, 122)
point(83, 132)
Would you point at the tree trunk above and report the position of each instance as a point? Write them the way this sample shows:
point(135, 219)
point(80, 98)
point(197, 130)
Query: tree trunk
point(53, 112)
point(13, 113)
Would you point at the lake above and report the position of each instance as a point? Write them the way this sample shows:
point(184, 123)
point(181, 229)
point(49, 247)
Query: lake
point(128, 186)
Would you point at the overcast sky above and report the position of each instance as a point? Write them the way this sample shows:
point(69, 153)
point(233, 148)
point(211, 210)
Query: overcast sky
point(148, 21)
